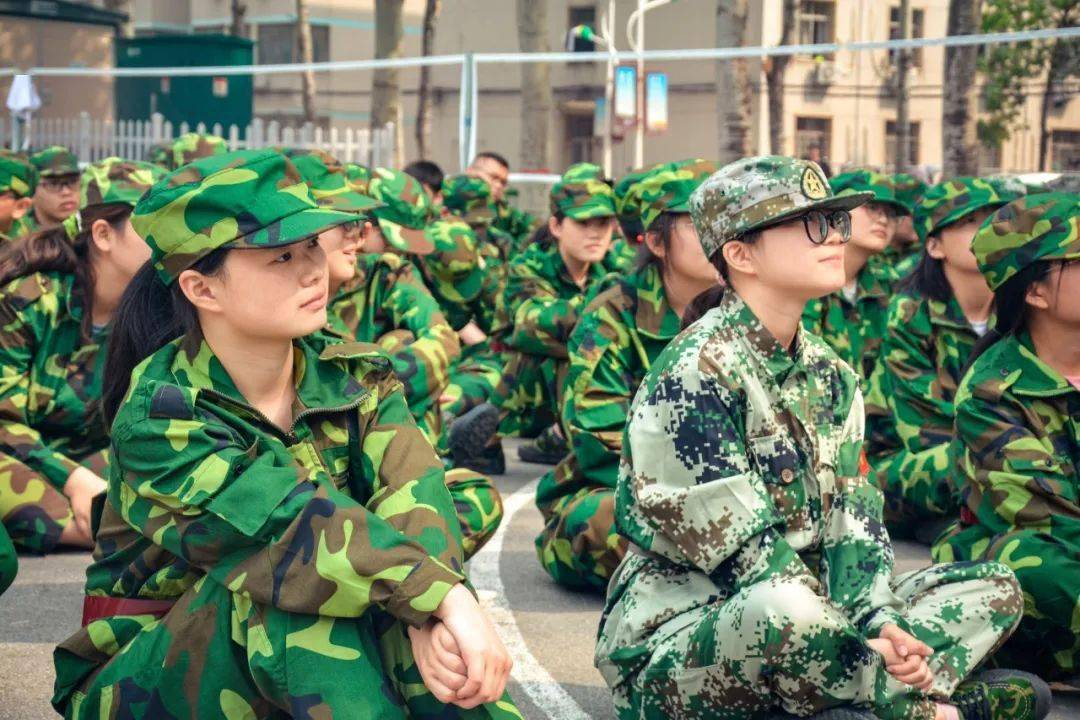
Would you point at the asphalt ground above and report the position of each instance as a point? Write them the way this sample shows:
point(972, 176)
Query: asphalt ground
point(549, 631)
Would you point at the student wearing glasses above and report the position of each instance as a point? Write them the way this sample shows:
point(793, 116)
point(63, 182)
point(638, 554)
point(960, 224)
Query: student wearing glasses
point(57, 193)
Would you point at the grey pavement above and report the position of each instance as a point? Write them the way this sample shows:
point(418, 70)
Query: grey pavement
point(557, 627)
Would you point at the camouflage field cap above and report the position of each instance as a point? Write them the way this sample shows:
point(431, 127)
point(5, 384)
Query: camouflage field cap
point(17, 176)
point(469, 198)
point(627, 207)
point(358, 177)
point(909, 190)
point(160, 154)
point(582, 194)
point(1033, 228)
point(329, 183)
point(947, 202)
point(668, 188)
point(115, 180)
point(868, 181)
point(243, 199)
point(192, 146)
point(55, 161)
point(406, 210)
point(750, 194)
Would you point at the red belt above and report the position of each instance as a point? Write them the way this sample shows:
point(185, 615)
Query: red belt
point(97, 607)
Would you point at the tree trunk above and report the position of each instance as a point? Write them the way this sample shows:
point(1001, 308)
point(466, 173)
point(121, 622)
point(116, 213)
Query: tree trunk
point(307, 55)
point(386, 82)
point(774, 78)
point(238, 10)
point(127, 29)
point(732, 83)
point(427, 44)
point(535, 85)
point(959, 114)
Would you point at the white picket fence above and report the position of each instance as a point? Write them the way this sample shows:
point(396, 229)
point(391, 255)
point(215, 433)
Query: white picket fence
point(93, 139)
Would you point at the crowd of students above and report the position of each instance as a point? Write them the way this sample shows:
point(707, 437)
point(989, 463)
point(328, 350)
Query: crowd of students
point(269, 390)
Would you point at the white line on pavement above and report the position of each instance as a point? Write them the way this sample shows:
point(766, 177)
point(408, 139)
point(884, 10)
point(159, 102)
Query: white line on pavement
point(538, 684)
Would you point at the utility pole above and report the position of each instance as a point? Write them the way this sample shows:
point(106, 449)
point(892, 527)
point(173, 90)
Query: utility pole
point(639, 132)
point(903, 122)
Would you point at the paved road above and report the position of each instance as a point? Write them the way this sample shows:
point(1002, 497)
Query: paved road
point(550, 631)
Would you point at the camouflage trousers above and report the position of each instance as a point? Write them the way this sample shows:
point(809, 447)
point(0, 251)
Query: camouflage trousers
point(1047, 641)
point(32, 510)
point(917, 488)
point(579, 546)
point(479, 507)
point(9, 561)
point(779, 643)
point(473, 379)
point(218, 655)
point(530, 393)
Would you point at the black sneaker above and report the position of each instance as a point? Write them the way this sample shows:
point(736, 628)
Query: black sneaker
point(548, 449)
point(1003, 694)
point(490, 461)
point(928, 531)
point(472, 432)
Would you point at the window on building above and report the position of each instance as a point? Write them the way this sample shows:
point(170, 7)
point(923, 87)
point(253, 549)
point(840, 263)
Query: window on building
point(1065, 151)
point(278, 43)
point(890, 144)
point(579, 138)
point(582, 15)
point(810, 131)
point(817, 22)
point(918, 25)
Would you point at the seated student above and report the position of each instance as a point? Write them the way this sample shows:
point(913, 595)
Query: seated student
point(617, 338)
point(938, 314)
point(906, 245)
point(430, 175)
point(852, 320)
point(59, 290)
point(56, 193)
point(759, 575)
point(17, 182)
point(275, 522)
point(494, 169)
point(1018, 427)
point(627, 238)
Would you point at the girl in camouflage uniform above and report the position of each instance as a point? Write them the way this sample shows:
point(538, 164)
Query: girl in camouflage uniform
point(274, 542)
point(617, 338)
point(759, 572)
point(1018, 427)
point(60, 289)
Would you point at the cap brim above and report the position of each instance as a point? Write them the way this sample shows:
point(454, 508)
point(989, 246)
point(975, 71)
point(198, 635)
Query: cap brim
point(841, 202)
point(405, 239)
point(292, 229)
point(348, 201)
point(589, 212)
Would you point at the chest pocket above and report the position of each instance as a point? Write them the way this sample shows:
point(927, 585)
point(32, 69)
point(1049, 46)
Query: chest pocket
point(782, 467)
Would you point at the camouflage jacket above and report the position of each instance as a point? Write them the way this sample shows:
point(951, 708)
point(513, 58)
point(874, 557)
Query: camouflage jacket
point(516, 223)
point(50, 376)
point(455, 272)
point(25, 226)
point(855, 330)
point(617, 339)
point(741, 463)
point(926, 348)
point(542, 301)
point(386, 297)
point(1018, 426)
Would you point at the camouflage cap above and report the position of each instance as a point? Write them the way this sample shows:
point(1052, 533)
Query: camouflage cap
point(1033, 228)
point(17, 176)
point(582, 193)
point(750, 194)
point(626, 205)
point(192, 146)
point(909, 190)
point(160, 154)
point(55, 161)
point(880, 186)
point(947, 202)
point(114, 180)
point(667, 188)
point(406, 210)
point(328, 182)
point(469, 198)
point(358, 177)
point(243, 199)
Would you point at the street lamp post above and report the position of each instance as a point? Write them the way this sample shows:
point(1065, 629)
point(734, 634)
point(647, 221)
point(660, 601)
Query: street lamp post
point(607, 39)
point(635, 35)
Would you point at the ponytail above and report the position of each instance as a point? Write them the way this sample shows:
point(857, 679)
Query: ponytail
point(1010, 308)
point(150, 315)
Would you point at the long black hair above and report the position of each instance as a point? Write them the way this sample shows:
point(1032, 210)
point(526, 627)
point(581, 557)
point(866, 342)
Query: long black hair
point(663, 227)
point(150, 314)
point(927, 279)
point(1010, 308)
point(709, 299)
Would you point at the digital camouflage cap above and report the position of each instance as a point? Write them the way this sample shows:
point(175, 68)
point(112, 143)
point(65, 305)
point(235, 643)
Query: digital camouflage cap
point(329, 182)
point(667, 188)
point(947, 202)
point(55, 161)
point(1033, 228)
point(242, 199)
point(17, 176)
point(406, 211)
point(749, 194)
point(878, 185)
point(582, 194)
point(114, 180)
point(909, 190)
point(469, 198)
point(192, 146)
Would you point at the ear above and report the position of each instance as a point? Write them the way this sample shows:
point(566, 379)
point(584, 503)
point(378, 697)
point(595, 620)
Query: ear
point(555, 227)
point(933, 247)
point(738, 257)
point(102, 236)
point(200, 290)
point(21, 207)
point(655, 246)
point(1038, 295)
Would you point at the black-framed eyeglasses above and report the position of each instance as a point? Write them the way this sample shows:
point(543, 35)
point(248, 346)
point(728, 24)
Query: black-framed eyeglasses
point(57, 184)
point(817, 224)
point(352, 227)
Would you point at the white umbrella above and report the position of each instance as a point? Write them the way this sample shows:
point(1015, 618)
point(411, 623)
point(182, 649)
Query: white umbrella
point(22, 101)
